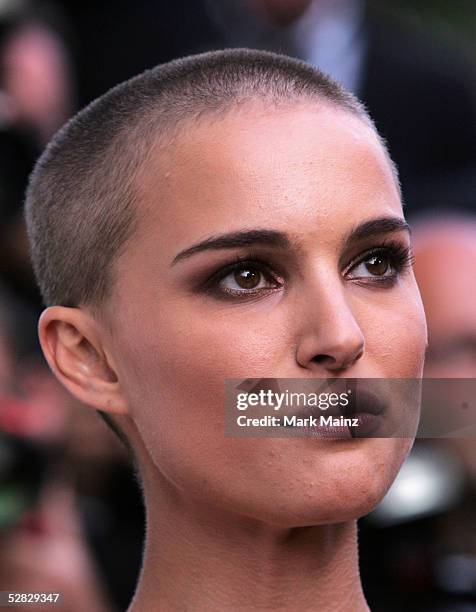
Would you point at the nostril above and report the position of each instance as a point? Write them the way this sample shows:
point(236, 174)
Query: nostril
point(337, 363)
point(320, 359)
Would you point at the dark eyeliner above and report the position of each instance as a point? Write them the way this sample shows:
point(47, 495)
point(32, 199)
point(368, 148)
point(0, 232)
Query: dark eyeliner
point(398, 255)
point(211, 285)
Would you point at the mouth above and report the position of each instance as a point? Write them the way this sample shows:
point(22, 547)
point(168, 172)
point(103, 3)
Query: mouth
point(341, 408)
point(362, 417)
point(368, 412)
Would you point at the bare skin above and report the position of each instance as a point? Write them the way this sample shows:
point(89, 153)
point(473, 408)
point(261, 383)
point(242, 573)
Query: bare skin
point(250, 523)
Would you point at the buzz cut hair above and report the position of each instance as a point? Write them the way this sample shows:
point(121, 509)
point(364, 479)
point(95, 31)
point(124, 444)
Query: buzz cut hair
point(82, 200)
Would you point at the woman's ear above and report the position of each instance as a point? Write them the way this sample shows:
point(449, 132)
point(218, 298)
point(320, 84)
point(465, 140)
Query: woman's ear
point(72, 346)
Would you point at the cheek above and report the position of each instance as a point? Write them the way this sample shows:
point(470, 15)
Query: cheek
point(207, 344)
point(175, 375)
point(185, 356)
point(396, 336)
point(177, 365)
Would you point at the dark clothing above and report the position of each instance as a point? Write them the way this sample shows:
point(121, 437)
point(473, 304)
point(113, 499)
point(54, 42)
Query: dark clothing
point(422, 98)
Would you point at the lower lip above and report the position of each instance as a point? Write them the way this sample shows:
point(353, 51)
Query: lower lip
point(332, 432)
point(367, 425)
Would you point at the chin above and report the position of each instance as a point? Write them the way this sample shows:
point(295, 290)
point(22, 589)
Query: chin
point(340, 508)
point(342, 485)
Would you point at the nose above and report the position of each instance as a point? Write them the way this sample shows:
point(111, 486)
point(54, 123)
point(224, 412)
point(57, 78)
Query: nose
point(330, 337)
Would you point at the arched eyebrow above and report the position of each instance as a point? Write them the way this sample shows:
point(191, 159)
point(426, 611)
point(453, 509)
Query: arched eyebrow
point(232, 240)
point(280, 240)
point(374, 227)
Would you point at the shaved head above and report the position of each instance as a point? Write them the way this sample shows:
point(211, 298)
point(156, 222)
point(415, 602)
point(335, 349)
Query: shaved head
point(82, 197)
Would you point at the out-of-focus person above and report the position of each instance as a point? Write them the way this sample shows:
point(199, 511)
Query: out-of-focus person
point(36, 80)
point(63, 526)
point(445, 265)
point(36, 98)
point(428, 518)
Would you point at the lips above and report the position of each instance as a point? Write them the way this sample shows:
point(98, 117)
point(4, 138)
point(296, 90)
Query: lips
point(361, 402)
point(364, 402)
point(345, 408)
point(364, 407)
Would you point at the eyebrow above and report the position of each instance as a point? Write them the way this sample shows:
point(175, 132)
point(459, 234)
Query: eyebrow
point(373, 227)
point(233, 240)
point(278, 239)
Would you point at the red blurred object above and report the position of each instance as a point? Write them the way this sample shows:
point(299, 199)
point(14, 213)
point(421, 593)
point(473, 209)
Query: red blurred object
point(33, 522)
point(15, 415)
point(41, 417)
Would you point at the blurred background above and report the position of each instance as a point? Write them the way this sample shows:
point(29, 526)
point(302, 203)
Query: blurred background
point(71, 516)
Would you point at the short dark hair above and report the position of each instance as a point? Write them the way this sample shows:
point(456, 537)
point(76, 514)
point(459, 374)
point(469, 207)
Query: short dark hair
point(81, 201)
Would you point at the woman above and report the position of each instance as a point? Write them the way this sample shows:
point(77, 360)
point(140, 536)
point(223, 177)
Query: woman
point(229, 215)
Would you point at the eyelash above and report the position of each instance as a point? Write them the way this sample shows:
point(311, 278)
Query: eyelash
point(398, 255)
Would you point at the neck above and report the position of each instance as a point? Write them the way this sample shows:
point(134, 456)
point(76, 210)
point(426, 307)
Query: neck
point(196, 558)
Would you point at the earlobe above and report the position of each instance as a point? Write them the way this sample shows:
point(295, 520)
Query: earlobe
point(72, 346)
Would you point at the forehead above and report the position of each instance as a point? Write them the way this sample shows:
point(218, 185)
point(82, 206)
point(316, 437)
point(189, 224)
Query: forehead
point(256, 163)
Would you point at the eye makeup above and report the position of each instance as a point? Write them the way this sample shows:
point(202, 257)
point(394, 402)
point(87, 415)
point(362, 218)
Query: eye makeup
point(383, 264)
point(250, 276)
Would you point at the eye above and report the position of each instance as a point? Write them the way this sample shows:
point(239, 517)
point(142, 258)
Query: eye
point(244, 278)
point(381, 264)
point(375, 265)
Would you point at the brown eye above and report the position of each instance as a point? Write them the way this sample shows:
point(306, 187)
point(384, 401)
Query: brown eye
point(247, 278)
point(377, 265)
point(383, 264)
